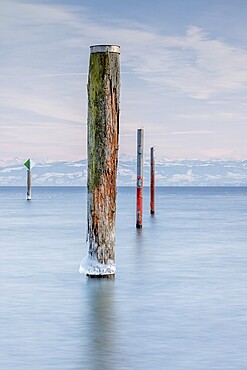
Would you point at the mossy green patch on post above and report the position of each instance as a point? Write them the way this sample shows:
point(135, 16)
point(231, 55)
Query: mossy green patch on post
point(99, 74)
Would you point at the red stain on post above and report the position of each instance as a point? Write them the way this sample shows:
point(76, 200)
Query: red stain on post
point(139, 204)
point(139, 185)
point(152, 181)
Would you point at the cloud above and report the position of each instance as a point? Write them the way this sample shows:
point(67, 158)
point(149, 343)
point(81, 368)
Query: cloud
point(215, 116)
point(11, 169)
point(44, 75)
point(55, 108)
point(194, 64)
point(195, 132)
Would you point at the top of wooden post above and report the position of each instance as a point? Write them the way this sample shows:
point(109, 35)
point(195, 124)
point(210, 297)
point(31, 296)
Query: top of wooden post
point(105, 49)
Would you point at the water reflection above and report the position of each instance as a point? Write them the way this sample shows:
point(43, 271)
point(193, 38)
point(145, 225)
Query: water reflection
point(101, 324)
point(178, 300)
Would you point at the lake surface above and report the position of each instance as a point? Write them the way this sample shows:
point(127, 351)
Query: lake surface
point(178, 301)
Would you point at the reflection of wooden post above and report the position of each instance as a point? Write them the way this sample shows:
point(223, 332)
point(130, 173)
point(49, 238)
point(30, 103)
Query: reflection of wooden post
point(29, 183)
point(139, 185)
point(101, 320)
point(152, 181)
point(103, 132)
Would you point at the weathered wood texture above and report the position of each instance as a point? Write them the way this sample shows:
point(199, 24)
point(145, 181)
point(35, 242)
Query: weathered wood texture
point(29, 184)
point(152, 181)
point(139, 184)
point(103, 134)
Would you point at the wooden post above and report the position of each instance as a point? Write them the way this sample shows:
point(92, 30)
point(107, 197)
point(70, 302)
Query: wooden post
point(139, 185)
point(29, 183)
point(103, 133)
point(29, 165)
point(152, 181)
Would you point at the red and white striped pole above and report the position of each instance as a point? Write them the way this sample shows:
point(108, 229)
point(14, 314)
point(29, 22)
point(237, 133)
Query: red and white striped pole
point(139, 185)
point(152, 181)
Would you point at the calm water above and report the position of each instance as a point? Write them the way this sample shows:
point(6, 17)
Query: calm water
point(179, 299)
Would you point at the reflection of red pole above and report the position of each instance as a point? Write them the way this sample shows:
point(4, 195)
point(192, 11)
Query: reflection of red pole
point(140, 136)
point(152, 181)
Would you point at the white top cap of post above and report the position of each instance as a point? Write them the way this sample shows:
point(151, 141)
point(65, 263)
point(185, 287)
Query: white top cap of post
point(105, 49)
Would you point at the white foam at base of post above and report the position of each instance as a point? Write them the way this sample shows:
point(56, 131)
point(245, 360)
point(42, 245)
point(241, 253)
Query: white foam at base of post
point(90, 266)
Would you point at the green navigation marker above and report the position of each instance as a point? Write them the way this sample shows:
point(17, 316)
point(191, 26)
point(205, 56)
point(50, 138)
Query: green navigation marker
point(29, 164)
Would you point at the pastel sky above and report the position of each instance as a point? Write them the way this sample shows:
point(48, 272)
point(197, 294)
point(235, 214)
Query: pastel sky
point(183, 75)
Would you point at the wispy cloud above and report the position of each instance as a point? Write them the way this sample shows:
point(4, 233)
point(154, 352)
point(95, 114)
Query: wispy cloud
point(195, 132)
point(195, 64)
point(44, 74)
point(215, 116)
point(52, 107)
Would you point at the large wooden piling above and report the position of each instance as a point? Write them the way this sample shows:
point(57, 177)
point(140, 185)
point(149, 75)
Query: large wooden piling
point(103, 134)
point(139, 184)
point(152, 181)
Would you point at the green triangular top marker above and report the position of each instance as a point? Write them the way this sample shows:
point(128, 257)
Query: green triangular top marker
point(29, 164)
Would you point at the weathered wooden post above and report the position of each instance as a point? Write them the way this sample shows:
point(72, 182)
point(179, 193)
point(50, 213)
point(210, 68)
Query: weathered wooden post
point(152, 181)
point(29, 165)
point(139, 185)
point(29, 184)
point(103, 133)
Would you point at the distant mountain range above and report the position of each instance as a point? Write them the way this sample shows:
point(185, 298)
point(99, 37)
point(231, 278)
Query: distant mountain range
point(168, 173)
